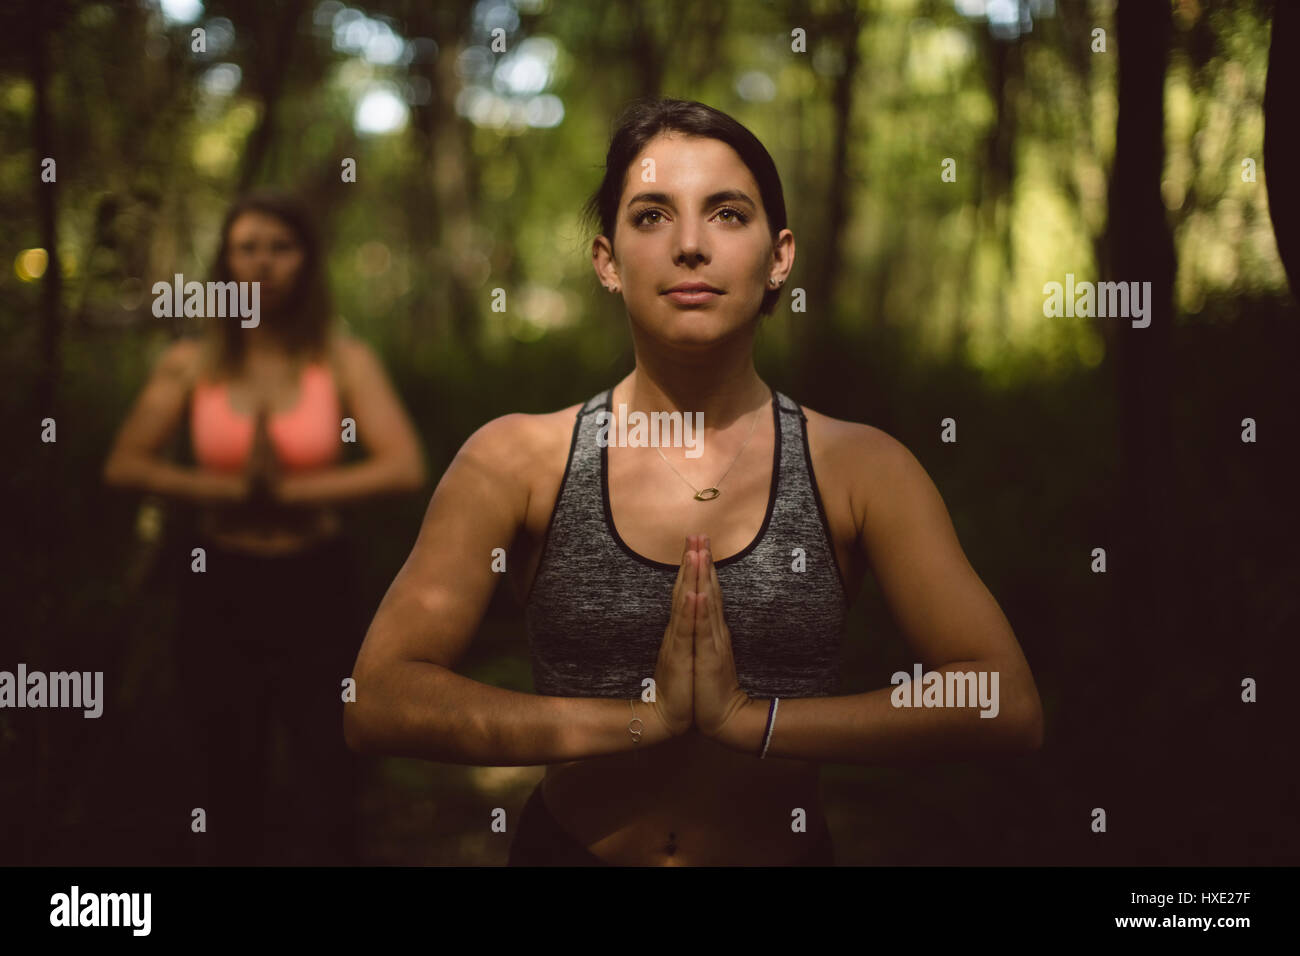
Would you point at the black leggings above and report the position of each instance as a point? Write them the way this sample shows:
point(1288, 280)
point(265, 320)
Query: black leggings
point(263, 638)
point(541, 841)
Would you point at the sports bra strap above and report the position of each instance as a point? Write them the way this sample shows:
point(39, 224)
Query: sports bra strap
point(335, 362)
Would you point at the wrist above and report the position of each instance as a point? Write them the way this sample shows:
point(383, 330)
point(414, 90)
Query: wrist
point(227, 486)
point(744, 731)
point(656, 728)
point(285, 490)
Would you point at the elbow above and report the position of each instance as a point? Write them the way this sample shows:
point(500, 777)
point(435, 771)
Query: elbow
point(356, 733)
point(114, 473)
point(412, 475)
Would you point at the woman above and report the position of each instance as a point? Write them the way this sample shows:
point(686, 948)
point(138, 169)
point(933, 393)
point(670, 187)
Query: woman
point(267, 619)
point(634, 564)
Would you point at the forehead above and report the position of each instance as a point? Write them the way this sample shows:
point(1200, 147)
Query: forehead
point(689, 165)
point(254, 221)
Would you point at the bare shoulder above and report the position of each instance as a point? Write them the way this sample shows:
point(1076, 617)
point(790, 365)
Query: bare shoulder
point(859, 460)
point(354, 356)
point(181, 362)
point(350, 347)
point(523, 444)
point(555, 429)
point(851, 443)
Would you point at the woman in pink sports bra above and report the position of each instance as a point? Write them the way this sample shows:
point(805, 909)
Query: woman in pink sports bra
point(269, 625)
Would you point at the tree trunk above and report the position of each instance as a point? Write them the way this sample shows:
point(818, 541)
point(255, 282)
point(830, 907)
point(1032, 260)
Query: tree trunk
point(1141, 548)
point(273, 68)
point(46, 193)
point(1139, 247)
point(814, 331)
point(1280, 138)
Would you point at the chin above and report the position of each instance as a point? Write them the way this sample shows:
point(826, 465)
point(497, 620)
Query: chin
point(271, 302)
point(698, 330)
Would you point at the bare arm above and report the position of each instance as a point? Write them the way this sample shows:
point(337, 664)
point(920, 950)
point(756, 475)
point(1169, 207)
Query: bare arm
point(134, 461)
point(410, 702)
point(395, 462)
point(951, 623)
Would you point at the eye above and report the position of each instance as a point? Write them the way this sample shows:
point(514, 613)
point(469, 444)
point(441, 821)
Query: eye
point(639, 218)
point(740, 217)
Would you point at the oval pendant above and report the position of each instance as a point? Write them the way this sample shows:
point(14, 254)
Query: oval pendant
point(707, 494)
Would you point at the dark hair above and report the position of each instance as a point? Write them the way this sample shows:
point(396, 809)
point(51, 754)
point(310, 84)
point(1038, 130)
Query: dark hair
point(303, 328)
point(644, 120)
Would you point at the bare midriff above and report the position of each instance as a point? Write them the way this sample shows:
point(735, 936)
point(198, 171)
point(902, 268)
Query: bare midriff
point(279, 531)
point(688, 802)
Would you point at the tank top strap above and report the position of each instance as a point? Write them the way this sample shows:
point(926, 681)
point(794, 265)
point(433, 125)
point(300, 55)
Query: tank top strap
point(333, 362)
point(799, 490)
point(578, 504)
point(793, 433)
point(596, 402)
point(583, 470)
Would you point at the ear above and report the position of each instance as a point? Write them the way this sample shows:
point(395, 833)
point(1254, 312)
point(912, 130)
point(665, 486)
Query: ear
point(782, 256)
point(602, 260)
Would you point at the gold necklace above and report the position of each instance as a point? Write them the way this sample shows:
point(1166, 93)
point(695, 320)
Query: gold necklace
point(708, 494)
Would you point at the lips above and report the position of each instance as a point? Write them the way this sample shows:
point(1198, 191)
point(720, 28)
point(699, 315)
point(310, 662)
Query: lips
point(693, 287)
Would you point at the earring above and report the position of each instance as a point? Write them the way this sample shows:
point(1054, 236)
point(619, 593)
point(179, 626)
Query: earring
point(772, 282)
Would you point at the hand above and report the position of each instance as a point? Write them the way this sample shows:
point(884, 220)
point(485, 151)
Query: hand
point(673, 674)
point(263, 470)
point(718, 695)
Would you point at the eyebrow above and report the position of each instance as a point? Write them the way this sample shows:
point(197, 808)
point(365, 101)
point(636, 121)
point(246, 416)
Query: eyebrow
point(726, 195)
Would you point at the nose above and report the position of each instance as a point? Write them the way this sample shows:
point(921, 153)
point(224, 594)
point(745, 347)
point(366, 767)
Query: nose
point(691, 248)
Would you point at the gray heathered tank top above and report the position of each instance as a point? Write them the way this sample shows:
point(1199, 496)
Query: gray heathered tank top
point(597, 610)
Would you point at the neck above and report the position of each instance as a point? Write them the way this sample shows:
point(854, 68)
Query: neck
point(263, 342)
point(722, 392)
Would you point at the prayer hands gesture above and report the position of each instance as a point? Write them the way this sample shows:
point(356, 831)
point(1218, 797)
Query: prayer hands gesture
point(695, 676)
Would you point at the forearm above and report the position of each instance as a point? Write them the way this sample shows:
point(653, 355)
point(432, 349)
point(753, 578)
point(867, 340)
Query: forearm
point(155, 476)
point(423, 710)
point(870, 729)
point(343, 483)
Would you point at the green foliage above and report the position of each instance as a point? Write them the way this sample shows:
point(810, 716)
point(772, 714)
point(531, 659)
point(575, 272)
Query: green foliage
point(933, 307)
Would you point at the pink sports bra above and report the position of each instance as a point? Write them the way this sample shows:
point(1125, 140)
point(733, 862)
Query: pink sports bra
point(307, 436)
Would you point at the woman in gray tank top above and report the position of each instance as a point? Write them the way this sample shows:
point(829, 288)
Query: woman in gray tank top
point(686, 545)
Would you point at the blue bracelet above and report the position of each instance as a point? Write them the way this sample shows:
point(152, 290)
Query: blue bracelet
point(771, 720)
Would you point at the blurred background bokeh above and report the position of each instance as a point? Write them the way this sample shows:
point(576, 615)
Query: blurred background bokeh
point(478, 129)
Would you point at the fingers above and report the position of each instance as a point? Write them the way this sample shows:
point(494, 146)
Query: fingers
point(708, 615)
point(704, 636)
point(685, 569)
point(688, 569)
point(715, 599)
point(684, 572)
point(681, 572)
point(683, 611)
